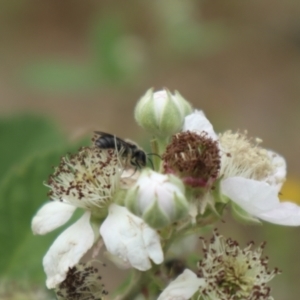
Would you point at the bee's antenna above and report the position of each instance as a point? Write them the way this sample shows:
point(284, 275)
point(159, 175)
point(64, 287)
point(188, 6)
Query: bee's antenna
point(151, 163)
point(154, 154)
point(137, 166)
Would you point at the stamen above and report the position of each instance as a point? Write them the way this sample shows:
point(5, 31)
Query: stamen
point(232, 272)
point(87, 179)
point(82, 283)
point(242, 156)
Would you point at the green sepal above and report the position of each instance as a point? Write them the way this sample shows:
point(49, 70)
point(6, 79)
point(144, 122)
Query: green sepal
point(178, 182)
point(155, 217)
point(171, 119)
point(146, 117)
point(185, 105)
point(139, 107)
point(95, 223)
point(241, 215)
point(216, 192)
point(119, 197)
point(181, 207)
point(131, 202)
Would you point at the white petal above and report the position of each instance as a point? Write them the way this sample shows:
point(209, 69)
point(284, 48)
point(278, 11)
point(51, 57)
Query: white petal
point(152, 244)
point(183, 287)
point(161, 99)
point(51, 216)
point(255, 197)
point(279, 175)
point(130, 238)
point(67, 250)
point(197, 122)
point(286, 213)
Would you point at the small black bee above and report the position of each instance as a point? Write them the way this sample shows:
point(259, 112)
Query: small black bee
point(127, 149)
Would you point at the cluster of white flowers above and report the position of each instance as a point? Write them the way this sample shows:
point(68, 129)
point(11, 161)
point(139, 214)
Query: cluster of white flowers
point(137, 213)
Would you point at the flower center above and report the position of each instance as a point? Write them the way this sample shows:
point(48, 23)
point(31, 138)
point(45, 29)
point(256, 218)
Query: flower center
point(234, 273)
point(244, 157)
point(87, 179)
point(82, 283)
point(193, 157)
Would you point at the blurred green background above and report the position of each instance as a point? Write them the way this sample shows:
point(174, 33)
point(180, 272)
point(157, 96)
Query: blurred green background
point(70, 67)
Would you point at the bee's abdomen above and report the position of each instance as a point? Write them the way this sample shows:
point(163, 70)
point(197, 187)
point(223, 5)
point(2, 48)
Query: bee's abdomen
point(105, 142)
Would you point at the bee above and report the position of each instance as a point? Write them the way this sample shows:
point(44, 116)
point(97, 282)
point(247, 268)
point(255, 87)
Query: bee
point(127, 149)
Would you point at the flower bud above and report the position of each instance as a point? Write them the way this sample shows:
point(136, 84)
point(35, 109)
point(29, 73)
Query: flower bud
point(159, 199)
point(162, 113)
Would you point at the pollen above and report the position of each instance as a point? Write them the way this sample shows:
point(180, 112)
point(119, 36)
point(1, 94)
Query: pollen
point(87, 179)
point(233, 273)
point(82, 283)
point(193, 157)
point(243, 156)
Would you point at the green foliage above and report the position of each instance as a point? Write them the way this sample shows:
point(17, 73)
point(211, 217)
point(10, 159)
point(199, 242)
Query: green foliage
point(25, 135)
point(21, 194)
point(30, 147)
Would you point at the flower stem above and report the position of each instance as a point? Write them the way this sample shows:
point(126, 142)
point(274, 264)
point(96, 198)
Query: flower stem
point(162, 144)
point(158, 146)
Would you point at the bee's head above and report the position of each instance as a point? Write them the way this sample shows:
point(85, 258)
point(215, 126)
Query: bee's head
point(140, 158)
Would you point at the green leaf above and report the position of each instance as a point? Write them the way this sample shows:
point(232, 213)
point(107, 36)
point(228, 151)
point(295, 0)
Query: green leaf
point(21, 194)
point(25, 135)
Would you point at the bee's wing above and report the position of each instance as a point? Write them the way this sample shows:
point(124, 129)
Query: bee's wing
point(132, 144)
point(101, 133)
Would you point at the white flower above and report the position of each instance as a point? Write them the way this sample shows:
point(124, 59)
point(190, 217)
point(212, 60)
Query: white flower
point(253, 177)
point(234, 273)
point(250, 176)
point(131, 239)
point(183, 287)
point(69, 246)
point(161, 113)
point(88, 180)
point(197, 122)
point(243, 157)
point(159, 199)
point(67, 250)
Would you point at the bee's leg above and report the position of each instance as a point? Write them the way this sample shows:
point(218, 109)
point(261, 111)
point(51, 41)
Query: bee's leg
point(136, 166)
